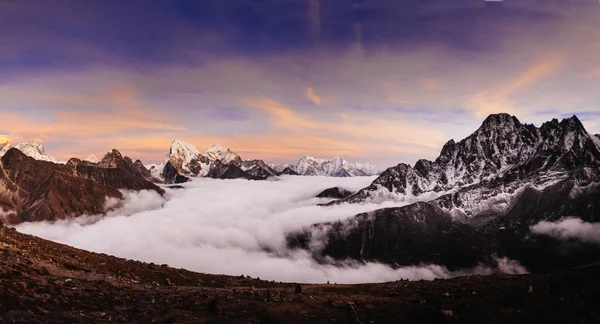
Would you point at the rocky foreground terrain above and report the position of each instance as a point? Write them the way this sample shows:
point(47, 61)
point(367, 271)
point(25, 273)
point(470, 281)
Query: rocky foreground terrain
point(46, 282)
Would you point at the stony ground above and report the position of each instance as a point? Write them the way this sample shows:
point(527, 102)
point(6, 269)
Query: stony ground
point(46, 282)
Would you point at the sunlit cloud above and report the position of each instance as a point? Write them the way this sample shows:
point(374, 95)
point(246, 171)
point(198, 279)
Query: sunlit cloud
point(312, 96)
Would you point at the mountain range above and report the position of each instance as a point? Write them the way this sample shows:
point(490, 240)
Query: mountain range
point(475, 203)
point(335, 167)
point(184, 161)
point(479, 198)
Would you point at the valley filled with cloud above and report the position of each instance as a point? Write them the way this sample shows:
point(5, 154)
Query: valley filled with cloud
point(236, 227)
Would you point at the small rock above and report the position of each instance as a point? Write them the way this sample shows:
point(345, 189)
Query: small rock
point(298, 289)
point(448, 313)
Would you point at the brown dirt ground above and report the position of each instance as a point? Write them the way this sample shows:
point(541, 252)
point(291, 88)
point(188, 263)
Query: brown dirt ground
point(46, 282)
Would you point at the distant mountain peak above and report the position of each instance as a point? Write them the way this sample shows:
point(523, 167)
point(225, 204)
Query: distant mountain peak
point(216, 148)
point(35, 150)
point(333, 167)
point(92, 158)
point(111, 153)
point(225, 155)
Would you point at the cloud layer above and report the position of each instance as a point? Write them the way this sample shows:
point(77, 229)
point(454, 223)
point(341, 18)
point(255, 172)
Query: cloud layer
point(568, 229)
point(234, 227)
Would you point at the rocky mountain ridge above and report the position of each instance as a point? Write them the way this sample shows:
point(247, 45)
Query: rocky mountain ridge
point(502, 148)
point(184, 160)
point(482, 194)
point(34, 190)
point(33, 149)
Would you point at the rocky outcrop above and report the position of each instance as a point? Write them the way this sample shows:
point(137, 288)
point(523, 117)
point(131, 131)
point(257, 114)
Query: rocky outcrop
point(335, 192)
point(32, 190)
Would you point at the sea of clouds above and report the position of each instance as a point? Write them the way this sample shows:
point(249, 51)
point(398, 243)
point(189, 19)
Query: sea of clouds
point(235, 227)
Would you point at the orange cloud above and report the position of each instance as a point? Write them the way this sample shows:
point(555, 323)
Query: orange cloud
point(496, 100)
point(350, 129)
point(312, 96)
point(116, 109)
point(429, 84)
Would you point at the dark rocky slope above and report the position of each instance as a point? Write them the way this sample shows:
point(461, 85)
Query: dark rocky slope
point(32, 190)
point(46, 282)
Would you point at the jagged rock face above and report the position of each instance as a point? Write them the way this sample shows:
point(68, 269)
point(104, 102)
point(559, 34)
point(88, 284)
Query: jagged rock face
point(501, 148)
point(171, 174)
point(257, 168)
point(73, 162)
point(335, 192)
point(32, 190)
point(229, 171)
point(114, 159)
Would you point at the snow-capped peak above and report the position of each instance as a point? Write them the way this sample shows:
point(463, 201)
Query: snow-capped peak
point(4, 145)
point(35, 150)
point(92, 158)
point(185, 151)
point(225, 155)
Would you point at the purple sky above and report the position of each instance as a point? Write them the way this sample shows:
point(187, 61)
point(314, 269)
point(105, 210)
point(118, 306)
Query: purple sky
point(380, 81)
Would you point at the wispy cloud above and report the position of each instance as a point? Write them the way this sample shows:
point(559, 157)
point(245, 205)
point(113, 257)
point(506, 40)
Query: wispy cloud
point(498, 98)
point(312, 96)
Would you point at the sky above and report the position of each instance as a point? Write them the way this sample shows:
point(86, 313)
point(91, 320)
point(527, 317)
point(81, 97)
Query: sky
point(380, 81)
